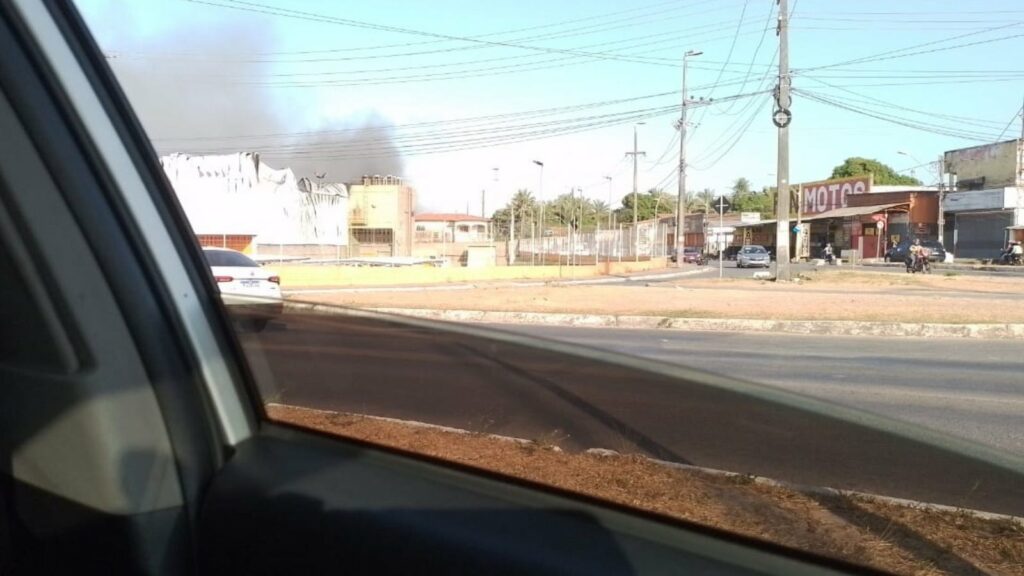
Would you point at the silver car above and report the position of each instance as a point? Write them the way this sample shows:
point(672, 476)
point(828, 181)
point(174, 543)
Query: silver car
point(749, 256)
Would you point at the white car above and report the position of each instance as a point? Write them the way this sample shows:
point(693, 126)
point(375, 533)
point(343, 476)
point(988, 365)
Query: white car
point(248, 290)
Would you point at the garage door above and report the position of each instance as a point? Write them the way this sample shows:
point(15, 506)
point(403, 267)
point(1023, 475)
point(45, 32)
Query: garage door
point(981, 235)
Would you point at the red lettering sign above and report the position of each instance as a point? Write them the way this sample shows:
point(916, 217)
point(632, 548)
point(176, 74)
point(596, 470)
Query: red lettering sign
point(831, 194)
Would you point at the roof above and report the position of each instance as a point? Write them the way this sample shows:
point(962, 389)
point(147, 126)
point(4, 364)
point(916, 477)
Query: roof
point(449, 217)
point(851, 211)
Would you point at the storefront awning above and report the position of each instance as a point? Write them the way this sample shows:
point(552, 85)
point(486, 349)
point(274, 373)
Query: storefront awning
point(851, 211)
point(752, 224)
point(1019, 227)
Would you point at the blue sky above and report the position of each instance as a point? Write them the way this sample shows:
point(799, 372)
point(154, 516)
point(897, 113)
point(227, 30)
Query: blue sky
point(333, 66)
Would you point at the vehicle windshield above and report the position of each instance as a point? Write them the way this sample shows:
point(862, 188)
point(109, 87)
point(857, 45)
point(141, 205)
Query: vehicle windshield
point(228, 258)
point(474, 220)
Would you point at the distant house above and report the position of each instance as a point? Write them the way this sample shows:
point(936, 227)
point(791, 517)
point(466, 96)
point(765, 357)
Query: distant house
point(454, 228)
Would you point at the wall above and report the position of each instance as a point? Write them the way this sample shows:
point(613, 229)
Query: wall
point(294, 276)
point(997, 163)
point(819, 197)
point(384, 206)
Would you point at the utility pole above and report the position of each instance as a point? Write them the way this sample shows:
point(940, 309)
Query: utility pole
point(681, 193)
point(483, 203)
point(636, 207)
point(719, 238)
point(782, 117)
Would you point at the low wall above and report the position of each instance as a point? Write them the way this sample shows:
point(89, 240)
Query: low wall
point(298, 275)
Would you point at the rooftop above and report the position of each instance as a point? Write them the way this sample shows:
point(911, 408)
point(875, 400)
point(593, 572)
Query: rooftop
point(449, 217)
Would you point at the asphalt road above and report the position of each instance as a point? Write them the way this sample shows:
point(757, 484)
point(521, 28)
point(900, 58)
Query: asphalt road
point(729, 270)
point(587, 398)
point(970, 388)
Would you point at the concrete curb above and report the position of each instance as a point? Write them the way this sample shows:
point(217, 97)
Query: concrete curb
point(807, 327)
point(524, 283)
point(605, 453)
point(1002, 269)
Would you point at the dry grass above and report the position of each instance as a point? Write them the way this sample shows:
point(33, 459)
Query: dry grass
point(886, 536)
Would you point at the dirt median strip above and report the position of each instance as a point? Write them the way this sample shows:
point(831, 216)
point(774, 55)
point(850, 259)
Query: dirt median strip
point(810, 327)
point(888, 534)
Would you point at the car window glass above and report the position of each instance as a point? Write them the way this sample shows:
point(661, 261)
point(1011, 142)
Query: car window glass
point(462, 263)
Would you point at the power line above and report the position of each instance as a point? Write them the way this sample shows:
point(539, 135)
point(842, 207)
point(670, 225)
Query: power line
point(728, 59)
point(248, 58)
point(941, 129)
point(1019, 113)
point(902, 52)
point(978, 122)
point(348, 22)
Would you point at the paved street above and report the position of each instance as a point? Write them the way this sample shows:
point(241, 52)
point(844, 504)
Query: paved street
point(974, 389)
point(411, 372)
point(729, 270)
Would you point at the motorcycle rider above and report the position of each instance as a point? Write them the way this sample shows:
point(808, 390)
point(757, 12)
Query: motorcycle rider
point(1016, 253)
point(917, 254)
point(828, 253)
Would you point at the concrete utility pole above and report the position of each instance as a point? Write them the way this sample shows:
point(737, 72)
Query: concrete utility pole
point(483, 203)
point(681, 194)
point(636, 207)
point(781, 118)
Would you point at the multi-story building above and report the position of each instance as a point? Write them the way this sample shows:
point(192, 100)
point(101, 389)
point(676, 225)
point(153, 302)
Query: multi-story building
point(381, 210)
point(985, 198)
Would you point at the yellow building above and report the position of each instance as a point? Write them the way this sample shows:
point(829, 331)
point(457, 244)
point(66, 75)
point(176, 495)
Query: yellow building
point(381, 216)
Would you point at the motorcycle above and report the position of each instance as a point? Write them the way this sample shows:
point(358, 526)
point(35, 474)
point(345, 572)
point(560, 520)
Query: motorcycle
point(919, 264)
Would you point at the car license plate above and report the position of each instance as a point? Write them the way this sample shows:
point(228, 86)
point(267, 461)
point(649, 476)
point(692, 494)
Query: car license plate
point(250, 283)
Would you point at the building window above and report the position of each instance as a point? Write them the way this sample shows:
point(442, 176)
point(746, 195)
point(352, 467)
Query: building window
point(373, 235)
point(463, 228)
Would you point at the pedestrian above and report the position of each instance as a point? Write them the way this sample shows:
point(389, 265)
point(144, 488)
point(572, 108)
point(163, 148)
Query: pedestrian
point(828, 252)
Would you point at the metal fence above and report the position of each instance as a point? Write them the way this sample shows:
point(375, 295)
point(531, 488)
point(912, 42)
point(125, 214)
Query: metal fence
point(579, 248)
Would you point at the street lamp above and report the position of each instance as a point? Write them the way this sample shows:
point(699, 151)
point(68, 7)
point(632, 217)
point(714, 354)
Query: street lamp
point(912, 157)
point(636, 207)
point(609, 179)
point(540, 196)
point(681, 195)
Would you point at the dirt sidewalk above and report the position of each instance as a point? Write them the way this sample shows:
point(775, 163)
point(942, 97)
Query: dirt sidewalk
point(832, 295)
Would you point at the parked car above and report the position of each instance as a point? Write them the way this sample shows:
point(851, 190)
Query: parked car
point(898, 253)
point(691, 255)
point(251, 293)
point(753, 255)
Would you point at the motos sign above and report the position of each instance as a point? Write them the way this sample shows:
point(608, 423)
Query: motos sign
point(828, 195)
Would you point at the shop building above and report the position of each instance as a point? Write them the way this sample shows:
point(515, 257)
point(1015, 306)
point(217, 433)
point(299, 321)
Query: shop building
point(985, 198)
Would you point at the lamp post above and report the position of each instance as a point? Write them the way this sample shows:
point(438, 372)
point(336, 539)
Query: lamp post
point(681, 195)
point(636, 228)
point(540, 196)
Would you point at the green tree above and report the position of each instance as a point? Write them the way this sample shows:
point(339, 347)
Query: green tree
point(703, 201)
point(650, 204)
point(743, 199)
point(526, 210)
point(883, 174)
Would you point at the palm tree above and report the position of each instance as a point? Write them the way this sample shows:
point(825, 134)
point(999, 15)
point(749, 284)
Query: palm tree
point(599, 210)
point(525, 207)
point(705, 199)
